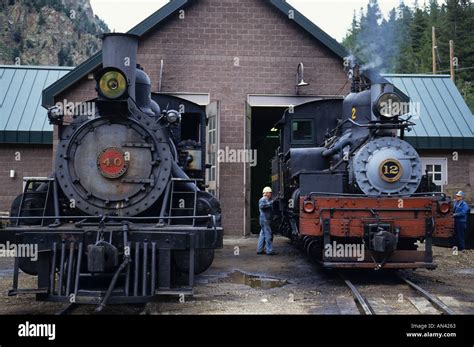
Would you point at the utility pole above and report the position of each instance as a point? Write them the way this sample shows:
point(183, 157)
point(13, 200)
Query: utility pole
point(451, 58)
point(433, 48)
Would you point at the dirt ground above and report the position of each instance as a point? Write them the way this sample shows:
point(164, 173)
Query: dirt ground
point(242, 282)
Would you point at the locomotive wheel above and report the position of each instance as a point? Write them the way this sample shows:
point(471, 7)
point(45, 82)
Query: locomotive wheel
point(307, 241)
point(203, 259)
point(314, 249)
point(28, 266)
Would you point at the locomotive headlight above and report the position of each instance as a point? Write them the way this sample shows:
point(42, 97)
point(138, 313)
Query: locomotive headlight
point(173, 117)
point(388, 105)
point(112, 84)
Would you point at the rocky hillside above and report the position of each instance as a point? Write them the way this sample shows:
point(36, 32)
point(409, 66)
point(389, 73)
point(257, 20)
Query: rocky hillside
point(48, 32)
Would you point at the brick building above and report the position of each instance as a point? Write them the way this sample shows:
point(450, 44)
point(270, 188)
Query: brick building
point(238, 60)
point(26, 137)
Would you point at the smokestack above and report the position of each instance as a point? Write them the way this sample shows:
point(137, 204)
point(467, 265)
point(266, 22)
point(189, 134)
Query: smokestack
point(120, 51)
point(355, 88)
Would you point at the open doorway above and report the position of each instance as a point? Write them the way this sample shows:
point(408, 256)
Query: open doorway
point(265, 140)
point(261, 115)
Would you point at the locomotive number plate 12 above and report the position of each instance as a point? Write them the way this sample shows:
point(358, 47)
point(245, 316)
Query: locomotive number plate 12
point(391, 170)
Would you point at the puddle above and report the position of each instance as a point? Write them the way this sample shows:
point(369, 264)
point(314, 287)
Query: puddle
point(6, 273)
point(469, 271)
point(254, 281)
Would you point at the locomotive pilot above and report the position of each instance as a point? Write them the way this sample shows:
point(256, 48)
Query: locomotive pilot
point(461, 210)
point(265, 206)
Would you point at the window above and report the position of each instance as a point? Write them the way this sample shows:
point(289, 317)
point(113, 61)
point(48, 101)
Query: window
point(438, 169)
point(212, 133)
point(302, 131)
point(212, 169)
point(212, 130)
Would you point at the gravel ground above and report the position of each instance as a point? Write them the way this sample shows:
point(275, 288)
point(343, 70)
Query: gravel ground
point(242, 282)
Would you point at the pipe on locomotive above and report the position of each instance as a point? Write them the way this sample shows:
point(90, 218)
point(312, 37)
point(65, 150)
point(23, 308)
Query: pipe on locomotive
point(344, 141)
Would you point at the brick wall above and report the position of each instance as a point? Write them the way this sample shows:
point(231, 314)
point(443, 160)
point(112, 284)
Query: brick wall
point(459, 177)
point(35, 161)
point(199, 54)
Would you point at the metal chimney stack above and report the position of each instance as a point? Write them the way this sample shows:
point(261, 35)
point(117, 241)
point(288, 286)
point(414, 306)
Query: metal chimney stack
point(120, 51)
point(355, 87)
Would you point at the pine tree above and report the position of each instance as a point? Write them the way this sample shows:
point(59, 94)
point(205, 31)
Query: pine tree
point(350, 40)
point(419, 28)
point(402, 42)
point(405, 63)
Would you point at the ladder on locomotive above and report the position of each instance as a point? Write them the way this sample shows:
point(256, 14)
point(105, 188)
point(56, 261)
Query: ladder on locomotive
point(186, 198)
point(30, 196)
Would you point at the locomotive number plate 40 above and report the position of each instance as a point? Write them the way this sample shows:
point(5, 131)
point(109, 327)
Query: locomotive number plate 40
point(111, 163)
point(391, 170)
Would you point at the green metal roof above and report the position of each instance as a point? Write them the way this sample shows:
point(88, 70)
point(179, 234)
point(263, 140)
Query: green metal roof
point(22, 119)
point(171, 8)
point(445, 121)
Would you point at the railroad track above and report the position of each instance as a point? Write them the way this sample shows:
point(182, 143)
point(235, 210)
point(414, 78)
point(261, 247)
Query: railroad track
point(140, 309)
point(366, 308)
point(66, 310)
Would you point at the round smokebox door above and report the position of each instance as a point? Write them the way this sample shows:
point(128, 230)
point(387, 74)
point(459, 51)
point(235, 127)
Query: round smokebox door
point(112, 166)
point(104, 163)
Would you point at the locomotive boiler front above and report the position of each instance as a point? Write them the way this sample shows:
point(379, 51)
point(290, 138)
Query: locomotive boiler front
point(120, 161)
point(387, 166)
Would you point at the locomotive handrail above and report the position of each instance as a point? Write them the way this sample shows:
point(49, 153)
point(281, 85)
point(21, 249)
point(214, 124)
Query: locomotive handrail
point(400, 125)
point(403, 124)
point(108, 217)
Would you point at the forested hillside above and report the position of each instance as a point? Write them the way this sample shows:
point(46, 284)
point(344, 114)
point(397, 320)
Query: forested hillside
point(48, 32)
point(401, 43)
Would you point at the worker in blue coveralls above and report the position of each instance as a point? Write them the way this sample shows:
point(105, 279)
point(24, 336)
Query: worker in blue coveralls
point(265, 205)
point(461, 209)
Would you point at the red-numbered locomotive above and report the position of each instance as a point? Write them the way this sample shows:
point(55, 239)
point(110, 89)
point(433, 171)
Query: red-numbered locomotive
point(349, 189)
point(124, 216)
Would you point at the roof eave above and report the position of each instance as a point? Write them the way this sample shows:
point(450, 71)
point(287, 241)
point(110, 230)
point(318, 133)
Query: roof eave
point(310, 27)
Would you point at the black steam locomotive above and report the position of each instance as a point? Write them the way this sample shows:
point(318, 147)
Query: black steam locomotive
point(124, 216)
point(344, 180)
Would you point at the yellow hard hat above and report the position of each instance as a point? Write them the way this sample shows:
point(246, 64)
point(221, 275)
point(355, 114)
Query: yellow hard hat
point(267, 190)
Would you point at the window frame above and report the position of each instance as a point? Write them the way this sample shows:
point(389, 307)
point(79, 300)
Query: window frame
point(302, 142)
point(425, 161)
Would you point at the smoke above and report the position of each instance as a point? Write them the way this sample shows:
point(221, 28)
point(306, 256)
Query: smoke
point(378, 42)
point(369, 56)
